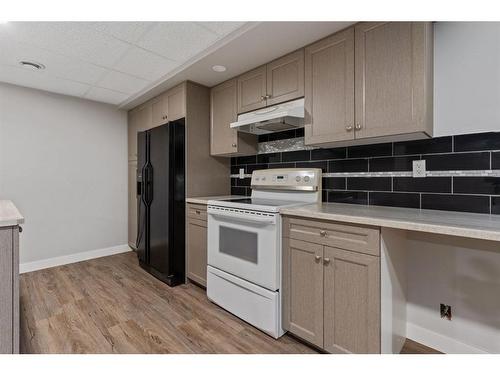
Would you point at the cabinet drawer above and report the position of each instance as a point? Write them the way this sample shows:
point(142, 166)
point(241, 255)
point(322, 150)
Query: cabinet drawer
point(197, 211)
point(361, 239)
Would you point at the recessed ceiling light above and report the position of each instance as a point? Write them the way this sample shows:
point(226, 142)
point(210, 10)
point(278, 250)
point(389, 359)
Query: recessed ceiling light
point(219, 68)
point(32, 65)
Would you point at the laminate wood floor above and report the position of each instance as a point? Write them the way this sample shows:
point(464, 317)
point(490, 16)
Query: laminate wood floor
point(110, 305)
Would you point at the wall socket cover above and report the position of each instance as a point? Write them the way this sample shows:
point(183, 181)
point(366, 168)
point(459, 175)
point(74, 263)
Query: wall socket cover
point(419, 168)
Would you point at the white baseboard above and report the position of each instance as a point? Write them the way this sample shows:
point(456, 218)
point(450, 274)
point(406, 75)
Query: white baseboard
point(72, 258)
point(437, 341)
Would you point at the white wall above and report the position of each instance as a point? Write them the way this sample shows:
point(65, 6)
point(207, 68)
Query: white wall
point(466, 77)
point(63, 162)
point(463, 273)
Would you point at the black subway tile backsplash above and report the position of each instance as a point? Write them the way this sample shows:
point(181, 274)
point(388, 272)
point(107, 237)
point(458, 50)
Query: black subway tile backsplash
point(348, 165)
point(462, 152)
point(424, 146)
point(392, 164)
point(369, 183)
point(328, 153)
point(363, 151)
point(409, 200)
point(353, 197)
point(456, 162)
point(477, 142)
point(477, 185)
point(423, 185)
point(465, 203)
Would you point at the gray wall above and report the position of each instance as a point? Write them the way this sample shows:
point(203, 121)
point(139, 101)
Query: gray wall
point(63, 162)
point(466, 77)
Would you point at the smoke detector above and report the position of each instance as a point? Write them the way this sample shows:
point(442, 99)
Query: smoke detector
point(32, 65)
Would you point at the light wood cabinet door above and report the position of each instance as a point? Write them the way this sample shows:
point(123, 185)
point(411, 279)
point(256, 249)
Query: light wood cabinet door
point(285, 78)
point(393, 78)
point(223, 111)
point(176, 103)
point(303, 290)
point(132, 203)
point(159, 110)
point(197, 250)
point(139, 119)
point(351, 302)
point(252, 90)
point(329, 89)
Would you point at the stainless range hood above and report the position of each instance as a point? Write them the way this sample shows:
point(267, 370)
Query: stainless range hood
point(277, 118)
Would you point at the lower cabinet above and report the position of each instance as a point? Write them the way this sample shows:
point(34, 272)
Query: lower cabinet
point(196, 241)
point(331, 296)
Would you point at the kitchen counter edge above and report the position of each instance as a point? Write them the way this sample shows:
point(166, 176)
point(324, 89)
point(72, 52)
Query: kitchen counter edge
point(204, 200)
point(9, 214)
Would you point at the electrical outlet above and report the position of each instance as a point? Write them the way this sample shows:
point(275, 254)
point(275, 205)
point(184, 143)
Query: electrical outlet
point(445, 311)
point(419, 168)
point(242, 172)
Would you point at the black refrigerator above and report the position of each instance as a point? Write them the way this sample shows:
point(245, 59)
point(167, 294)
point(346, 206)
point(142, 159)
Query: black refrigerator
point(160, 199)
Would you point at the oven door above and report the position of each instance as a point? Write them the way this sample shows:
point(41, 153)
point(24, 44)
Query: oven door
point(245, 244)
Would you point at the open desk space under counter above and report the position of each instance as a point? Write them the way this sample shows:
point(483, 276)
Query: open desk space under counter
point(373, 276)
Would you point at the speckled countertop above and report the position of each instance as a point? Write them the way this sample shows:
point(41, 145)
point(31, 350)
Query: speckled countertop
point(480, 226)
point(9, 214)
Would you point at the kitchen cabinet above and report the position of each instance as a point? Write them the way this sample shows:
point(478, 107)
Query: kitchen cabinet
point(9, 290)
point(252, 90)
point(329, 89)
point(169, 106)
point(372, 83)
point(331, 284)
point(139, 119)
point(393, 71)
point(223, 111)
point(132, 203)
point(279, 81)
point(285, 78)
point(196, 241)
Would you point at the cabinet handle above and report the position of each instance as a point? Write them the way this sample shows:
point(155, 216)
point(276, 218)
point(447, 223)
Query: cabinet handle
point(358, 126)
point(234, 144)
point(267, 96)
point(348, 128)
point(322, 233)
point(262, 98)
point(317, 258)
point(197, 212)
point(326, 261)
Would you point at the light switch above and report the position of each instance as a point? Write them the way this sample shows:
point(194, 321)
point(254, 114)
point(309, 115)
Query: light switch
point(242, 172)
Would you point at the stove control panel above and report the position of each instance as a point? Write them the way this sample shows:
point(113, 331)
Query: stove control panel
point(287, 179)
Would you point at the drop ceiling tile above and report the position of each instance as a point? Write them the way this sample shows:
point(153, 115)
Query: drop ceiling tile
point(75, 39)
point(221, 28)
point(41, 80)
point(55, 64)
point(144, 64)
point(178, 41)
point(128, 31)
point(122, 82)
point(106, 96)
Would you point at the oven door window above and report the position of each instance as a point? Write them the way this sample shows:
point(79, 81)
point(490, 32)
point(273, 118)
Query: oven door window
point(238, 243)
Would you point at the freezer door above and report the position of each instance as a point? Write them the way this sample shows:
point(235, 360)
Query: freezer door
point(141, 199)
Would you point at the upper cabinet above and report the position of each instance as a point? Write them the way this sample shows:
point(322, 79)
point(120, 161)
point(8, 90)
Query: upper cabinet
point(385, 68)
point(223, 111)
point(329, 90)
point(169, 106)
point(252, 90)
point(393, 78)
point(285, 78)
point(279, 81)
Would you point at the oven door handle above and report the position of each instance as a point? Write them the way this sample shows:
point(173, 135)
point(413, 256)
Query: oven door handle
point(245, 218)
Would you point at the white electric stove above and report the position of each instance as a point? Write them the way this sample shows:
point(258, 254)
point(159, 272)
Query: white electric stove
point(244, 244)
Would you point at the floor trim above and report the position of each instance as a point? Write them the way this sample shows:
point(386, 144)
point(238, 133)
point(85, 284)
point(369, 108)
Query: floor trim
point(439, 342)
point(72, 258)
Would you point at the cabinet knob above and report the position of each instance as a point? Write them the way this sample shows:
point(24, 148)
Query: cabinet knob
point(267, 96)
point(322, 233)
point(326, 261)
point(348, 128)
point(234, 144)
point(317, 258)
point(358, 126)
point(262, 98)
point(197, 212)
